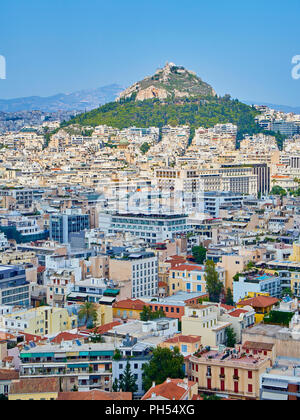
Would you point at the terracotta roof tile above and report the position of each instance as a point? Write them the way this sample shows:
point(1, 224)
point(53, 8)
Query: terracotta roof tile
point(8, 374)
point(170, 390)
point(34, 386)
point(136, 304)
point(259, 302)
point(237, 313)
point(184, 339)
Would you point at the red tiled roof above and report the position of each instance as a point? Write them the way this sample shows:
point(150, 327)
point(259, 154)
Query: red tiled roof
point(95, 395)
point(107, 327)
point(8, 374)
point(188, 267)
point(5, 336)
point(184, 339)
point(130, 304)
point(227, 307)
point(259, 302)
point(237, 313)
point(170, 389)
point(66, 336)
point(31, 337)
point(34, 386)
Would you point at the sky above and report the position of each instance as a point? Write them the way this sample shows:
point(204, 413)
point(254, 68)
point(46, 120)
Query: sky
point(244, 48)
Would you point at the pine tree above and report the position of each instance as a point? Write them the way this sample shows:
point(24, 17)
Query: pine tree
point(128, 381)
point(231, 337)
point(229, 297)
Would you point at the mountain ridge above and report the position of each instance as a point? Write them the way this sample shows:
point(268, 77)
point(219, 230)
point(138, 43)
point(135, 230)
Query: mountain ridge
point(81, 100)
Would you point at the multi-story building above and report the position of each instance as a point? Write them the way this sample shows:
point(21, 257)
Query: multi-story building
point(139, 270)
point(203, 320)
point(42, 321)
point(212, 202)
point(14, 289)
point(63, 225)
point(79, 366)
point(152, 228)
point(187, 344)
point(15, 198)
point(190, 278)
point(229, 373)
point(256, 284)
point(281, 382)
point(137, 355)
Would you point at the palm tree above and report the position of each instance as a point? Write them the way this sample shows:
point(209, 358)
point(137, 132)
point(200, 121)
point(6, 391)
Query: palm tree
point(88, 313)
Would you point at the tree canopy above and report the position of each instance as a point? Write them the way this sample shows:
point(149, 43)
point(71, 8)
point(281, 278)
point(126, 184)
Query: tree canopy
point(213, 285)
point(164, 364)
point(199, 254)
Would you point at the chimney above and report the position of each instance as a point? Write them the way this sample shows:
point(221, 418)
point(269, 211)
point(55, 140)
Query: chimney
point(153, 384)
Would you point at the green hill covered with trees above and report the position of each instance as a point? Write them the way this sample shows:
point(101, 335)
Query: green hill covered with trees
point(195, 112)
point(189, 111)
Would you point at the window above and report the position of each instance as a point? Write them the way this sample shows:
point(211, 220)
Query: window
point(249, 374)
point(250, 389)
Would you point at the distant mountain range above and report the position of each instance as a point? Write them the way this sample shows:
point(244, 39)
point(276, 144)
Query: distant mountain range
point(171, 81)
point(283, 108)
point(84, 100)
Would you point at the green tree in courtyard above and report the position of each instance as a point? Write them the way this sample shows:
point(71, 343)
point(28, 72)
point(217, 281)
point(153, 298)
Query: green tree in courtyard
point(164, 364)
point(230, 337)
point(199, 254)
point(88, 313)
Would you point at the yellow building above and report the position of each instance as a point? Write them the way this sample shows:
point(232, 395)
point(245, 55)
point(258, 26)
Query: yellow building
point(128, 309)
point(295, 257)
point(295, 282)
point(262, 305)
point(104, 314)
point(36, 389)
point(190, 278)
point(40, 321)
point(202, 320)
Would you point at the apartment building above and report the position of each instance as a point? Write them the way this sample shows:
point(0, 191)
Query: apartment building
point(203, 320)
point(281, 382)
point(137, 355)
point(63, 225)
point(78, 366)
point(152, 228)
point(229, 373)
point(140, 269)
point(254, 283)
point(190, 278)
point(40, 321)
point(14, 289)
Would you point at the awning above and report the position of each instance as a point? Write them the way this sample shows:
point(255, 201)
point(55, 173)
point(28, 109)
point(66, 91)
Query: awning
point(274, 397)
point(79, 366)
point(275, 383)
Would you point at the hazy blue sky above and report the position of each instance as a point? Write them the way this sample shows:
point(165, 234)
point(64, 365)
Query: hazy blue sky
point(243, 48)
